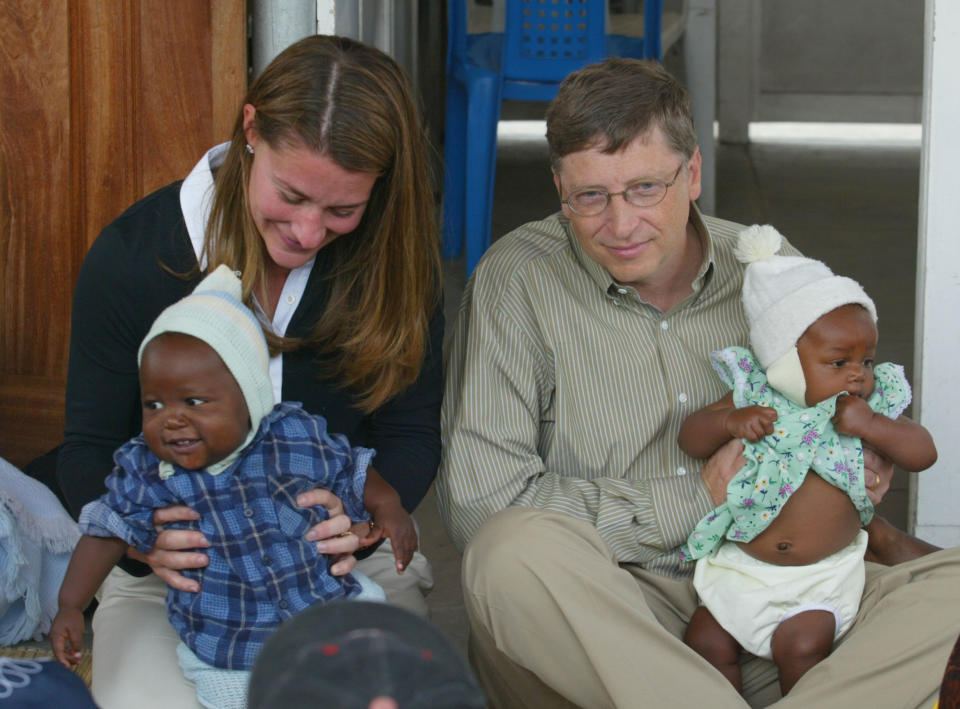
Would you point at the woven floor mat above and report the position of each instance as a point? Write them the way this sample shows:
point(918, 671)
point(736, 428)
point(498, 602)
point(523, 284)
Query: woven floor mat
point(84, 669)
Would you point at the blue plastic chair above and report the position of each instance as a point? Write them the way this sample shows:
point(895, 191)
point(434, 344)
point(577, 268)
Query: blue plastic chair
point(542, 42)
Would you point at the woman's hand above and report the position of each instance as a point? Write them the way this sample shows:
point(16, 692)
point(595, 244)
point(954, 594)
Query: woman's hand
point(877, 474)
point(168, 557)
point(720, 469)
point(335, 536)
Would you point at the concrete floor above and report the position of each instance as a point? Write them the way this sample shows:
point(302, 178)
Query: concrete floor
point(851, 205)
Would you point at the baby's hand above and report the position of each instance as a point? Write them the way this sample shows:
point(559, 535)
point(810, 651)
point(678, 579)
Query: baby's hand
point(395, 523)
point(853, 417)
point(751, 422)
point(66, 636)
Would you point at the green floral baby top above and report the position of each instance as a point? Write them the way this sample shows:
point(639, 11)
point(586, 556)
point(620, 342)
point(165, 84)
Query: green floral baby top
point(803, 439)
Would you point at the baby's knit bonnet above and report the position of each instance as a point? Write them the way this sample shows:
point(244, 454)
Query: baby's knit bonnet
point(782, 297)
point(215, 314)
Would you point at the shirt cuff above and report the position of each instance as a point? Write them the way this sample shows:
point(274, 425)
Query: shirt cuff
point(679, 504)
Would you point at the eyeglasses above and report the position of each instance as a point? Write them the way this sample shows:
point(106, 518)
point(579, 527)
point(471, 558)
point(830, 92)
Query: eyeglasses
point(645, 193)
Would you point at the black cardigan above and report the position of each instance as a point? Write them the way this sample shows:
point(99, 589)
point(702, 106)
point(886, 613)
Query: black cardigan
point(120, 291)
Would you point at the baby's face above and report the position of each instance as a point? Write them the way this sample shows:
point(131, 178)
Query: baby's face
point(836, 353)
point(194, 414)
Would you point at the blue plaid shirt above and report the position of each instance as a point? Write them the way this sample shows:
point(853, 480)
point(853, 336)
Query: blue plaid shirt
point(262, 570)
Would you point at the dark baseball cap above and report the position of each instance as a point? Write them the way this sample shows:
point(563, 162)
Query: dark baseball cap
point(345, 654)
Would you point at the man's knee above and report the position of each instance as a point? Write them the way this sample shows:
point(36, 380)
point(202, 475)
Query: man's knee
point(500, 551)
point(521, 553)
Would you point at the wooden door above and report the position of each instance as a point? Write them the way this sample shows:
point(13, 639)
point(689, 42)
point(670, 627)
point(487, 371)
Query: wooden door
point(100, 103)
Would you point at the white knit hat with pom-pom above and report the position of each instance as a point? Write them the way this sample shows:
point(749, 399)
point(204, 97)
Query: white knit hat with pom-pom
point(784, 295)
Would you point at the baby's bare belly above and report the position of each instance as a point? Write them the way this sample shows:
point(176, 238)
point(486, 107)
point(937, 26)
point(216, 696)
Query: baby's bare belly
point(817, 521)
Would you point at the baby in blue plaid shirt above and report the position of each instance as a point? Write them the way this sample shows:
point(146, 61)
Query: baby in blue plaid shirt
point(213, 440)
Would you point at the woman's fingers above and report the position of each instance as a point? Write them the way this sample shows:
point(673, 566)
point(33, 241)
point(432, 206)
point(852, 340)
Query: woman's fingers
point(179, 540)
point(319, 497)
point(169, 554)
point(176, 580)
point(345, 543)
point(176, 513)
point(343, 564)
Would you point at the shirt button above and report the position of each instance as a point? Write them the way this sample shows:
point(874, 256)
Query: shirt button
point(682, 398)
point(291, 299)
point(282, 604)
point(681, 470)
point(622, 291)
point(267, 560)
point(247, 512)
point(664, 325)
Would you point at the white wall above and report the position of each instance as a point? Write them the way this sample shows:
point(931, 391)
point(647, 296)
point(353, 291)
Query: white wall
point(935, 499)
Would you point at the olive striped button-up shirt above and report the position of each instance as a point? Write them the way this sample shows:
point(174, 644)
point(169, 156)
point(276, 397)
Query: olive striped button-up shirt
point(565, 391)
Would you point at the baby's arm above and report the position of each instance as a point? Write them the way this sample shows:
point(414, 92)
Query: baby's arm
point(705, 430)
point(92, 560)
point(383, 503)
point(905, 442)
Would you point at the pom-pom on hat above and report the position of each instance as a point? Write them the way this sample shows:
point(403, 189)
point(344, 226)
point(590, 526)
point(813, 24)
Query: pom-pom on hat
point(215, 314)
point(784, 295)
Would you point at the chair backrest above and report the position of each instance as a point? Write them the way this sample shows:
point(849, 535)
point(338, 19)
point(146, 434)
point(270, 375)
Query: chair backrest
point(544, 40)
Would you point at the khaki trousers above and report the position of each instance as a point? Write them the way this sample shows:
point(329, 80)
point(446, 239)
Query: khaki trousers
point(556, 622)
point(135, 647)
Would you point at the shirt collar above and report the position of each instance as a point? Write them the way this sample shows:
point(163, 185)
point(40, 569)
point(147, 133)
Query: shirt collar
point(706, 266)
point(601, 276)
point(196, 197)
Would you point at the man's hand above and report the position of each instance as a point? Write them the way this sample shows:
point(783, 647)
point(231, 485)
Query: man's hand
point(720, 469)
point(751, 422)
point(877, 473)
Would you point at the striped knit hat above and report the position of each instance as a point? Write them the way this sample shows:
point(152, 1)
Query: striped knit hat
point(215, 314)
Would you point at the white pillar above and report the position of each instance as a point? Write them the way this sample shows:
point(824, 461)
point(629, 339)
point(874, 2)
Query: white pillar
point(276, 24)
point(935, 493)
point(326, 17)
point(700, 54)
point(737, 37)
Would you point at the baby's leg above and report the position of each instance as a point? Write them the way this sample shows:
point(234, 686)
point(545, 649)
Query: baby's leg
point(889, 545)
point(800, 642)
point(718, 647)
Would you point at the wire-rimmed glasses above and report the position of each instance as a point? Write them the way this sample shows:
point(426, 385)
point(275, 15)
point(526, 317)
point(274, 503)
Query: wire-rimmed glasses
point(644, 193)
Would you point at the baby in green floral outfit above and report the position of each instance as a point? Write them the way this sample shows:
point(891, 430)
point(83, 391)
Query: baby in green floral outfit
point(780, 564)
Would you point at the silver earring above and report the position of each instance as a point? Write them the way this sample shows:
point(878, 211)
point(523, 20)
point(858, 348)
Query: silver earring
point(249, 148)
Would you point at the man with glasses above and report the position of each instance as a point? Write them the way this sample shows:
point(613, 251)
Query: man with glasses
point(581, 346)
